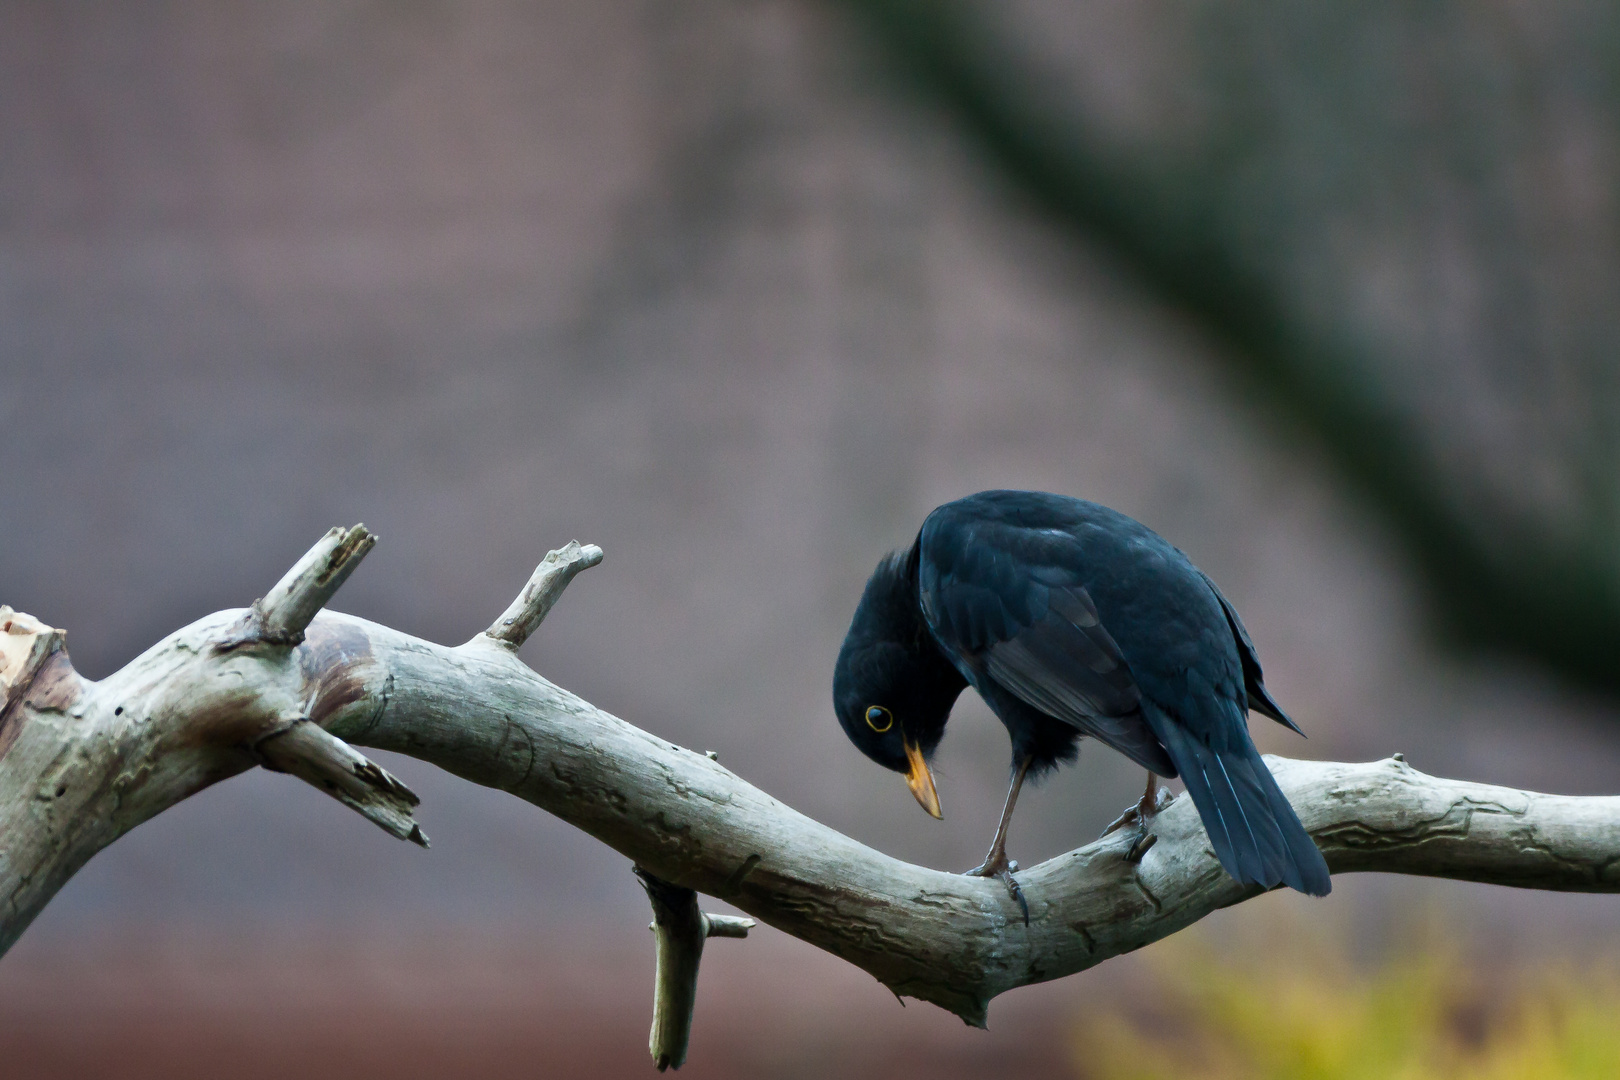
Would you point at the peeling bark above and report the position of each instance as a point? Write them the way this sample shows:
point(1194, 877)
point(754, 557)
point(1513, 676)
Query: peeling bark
point(83, 762)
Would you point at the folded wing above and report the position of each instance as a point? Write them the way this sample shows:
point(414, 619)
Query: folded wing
point(1007, 607)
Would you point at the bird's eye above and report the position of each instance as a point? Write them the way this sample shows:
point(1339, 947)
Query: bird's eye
point(879, 719)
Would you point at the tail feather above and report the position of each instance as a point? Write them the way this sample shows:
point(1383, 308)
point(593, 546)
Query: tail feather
point(1265, 840)
point(1255, 833)
point(1307, 862)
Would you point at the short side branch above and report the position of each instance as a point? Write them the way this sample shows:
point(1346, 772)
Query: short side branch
point(302, 748)
point(286, 610)
point(329, 764)
point(681, 928)
point(725, 925)
point(545, 587)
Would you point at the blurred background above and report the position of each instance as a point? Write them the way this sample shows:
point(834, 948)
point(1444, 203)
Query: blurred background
point(739, 290)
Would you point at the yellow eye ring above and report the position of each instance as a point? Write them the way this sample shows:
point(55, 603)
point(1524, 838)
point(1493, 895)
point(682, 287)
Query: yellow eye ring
point(879, 719)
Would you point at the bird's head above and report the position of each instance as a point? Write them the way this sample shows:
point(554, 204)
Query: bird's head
point(892, 687)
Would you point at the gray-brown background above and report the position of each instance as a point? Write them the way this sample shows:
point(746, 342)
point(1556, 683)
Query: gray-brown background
point(711, 285)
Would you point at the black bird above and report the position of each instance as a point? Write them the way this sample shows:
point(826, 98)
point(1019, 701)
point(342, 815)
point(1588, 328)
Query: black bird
point(1071, 619)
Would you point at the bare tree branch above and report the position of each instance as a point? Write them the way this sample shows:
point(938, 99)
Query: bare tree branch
point(83, 762)
point(681, 929)
point(284, 612)
point(534, 603)
point(329, 764)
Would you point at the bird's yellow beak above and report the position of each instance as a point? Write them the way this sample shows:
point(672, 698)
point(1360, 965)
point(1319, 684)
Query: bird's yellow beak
point(921, 780)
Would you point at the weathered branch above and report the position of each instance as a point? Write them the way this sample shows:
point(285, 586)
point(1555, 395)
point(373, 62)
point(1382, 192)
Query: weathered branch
point(285, 611)
point(326, 762)
point(83, 762)
point(681, 928)
point(550, 578)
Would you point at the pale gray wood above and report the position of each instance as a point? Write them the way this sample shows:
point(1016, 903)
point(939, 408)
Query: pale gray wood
point(329, 764)
point(83, 762)
point(680, 928)
point(550, 578)
point(286, 609)
point(725, 925)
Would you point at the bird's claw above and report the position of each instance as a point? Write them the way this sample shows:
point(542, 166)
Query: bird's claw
point(1140, 847)
point(1129, 817)
point(1133, 814)
point(1144, 839)
point(1003, 868)
point(1017, 893)
point(993, 866)
point(1140, 814)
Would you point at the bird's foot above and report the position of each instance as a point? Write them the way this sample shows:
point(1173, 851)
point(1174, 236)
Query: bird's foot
point(1141, 814)
point(992, 867)
point(1003, 867)
point(1130, 817)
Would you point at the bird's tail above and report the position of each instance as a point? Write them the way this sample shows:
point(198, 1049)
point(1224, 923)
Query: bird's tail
point(1255, 833)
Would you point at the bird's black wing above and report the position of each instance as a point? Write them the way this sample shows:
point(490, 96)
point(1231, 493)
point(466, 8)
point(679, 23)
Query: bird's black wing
point(1254, 683)
point(1006, 602)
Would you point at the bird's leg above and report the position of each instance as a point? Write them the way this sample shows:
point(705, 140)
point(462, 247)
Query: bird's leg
point(1153, 799)
point(996, 860)
point(996, 863)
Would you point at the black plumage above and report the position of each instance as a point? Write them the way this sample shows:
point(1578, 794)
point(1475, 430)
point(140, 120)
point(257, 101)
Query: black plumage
point(1070, 620)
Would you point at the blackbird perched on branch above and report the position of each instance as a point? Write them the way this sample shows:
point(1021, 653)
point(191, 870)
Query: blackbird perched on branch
point(1071, 619)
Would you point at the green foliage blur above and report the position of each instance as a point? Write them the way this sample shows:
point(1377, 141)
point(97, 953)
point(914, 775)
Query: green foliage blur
point(1304, 1013)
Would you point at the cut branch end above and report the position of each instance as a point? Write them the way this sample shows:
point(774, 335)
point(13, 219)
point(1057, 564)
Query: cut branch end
point(726, 926)
point(286, 611)
point(25, 645)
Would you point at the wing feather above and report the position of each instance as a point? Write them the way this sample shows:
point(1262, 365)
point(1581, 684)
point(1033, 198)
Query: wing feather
point(1254, 683)
point(1007, 613)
